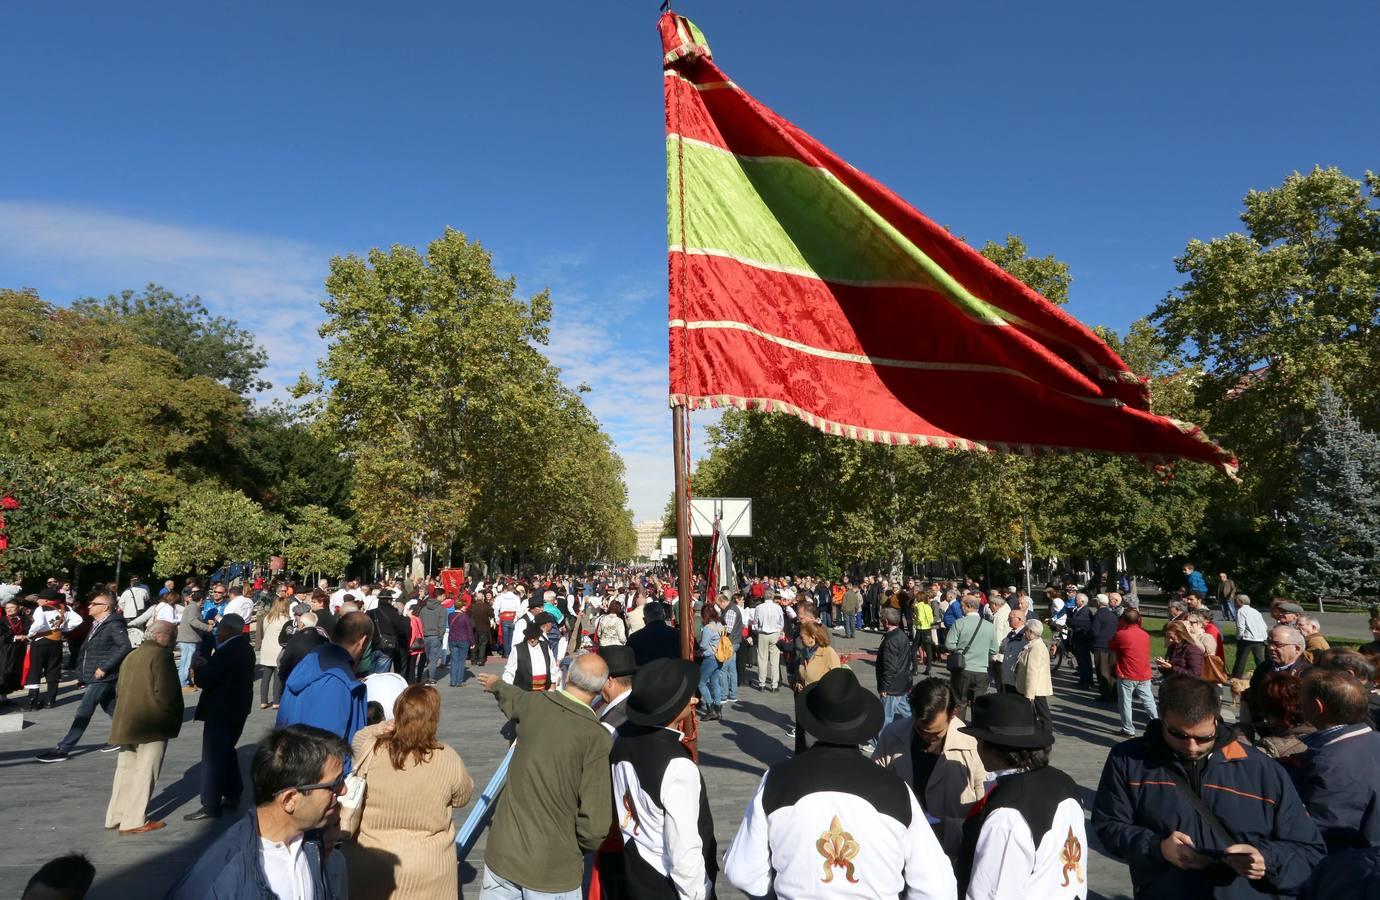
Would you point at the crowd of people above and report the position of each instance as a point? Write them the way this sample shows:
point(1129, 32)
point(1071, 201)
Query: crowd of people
point(937, 784)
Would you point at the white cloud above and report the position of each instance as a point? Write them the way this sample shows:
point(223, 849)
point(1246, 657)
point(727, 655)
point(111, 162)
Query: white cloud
point(271, 285)
point(610, 335)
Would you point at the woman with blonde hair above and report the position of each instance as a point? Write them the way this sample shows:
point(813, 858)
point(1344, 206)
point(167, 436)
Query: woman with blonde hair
point(1183, 655)
point(268, 632)
point(406, 844)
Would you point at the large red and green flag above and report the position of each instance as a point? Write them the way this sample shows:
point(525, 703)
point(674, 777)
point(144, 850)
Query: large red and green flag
point(798, 284)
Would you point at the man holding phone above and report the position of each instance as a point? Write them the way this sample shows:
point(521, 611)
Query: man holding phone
point(1195, 813)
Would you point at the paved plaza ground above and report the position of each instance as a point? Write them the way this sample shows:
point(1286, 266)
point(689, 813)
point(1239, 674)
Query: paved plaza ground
point(55, 809)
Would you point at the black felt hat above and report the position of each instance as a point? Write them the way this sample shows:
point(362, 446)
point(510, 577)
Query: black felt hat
point(660, 690)
point(1008, 720)
point(621, 659)
point(838, 710)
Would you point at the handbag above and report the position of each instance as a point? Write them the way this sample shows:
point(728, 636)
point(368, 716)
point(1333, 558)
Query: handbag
point(956, 661)
point(356, 787)
point(1214, 670)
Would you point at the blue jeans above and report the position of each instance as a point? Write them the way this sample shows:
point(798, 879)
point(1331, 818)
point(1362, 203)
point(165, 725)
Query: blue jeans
point(496, 887)
point(826, 616)
point(894, 706)
point(98, 693)
point(380, 662)
point(506, 629)
point(1125, 689)
point(728, 678)
point(710, 676)
point(1228, 611)
point(184, 662)
point(459, 656)
point(433, 656)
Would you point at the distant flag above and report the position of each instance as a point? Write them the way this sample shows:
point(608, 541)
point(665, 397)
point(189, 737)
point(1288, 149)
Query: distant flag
point(721, 570)
point(800, 285)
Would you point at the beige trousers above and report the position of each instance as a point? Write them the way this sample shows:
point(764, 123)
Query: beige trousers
point(768, 659)
point(136, 773)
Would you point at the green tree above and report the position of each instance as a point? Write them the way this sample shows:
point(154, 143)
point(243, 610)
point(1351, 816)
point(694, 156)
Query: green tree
point(207, 345)
point(1337, 514)
point(318, 542)
point(209, 525)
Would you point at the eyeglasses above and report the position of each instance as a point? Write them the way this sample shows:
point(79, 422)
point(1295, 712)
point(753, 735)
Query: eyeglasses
point(335, 787)
point(1281, 644)
point(1192, 738)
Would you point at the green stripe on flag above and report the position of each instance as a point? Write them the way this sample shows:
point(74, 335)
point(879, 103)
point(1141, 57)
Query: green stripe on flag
point(780, 214)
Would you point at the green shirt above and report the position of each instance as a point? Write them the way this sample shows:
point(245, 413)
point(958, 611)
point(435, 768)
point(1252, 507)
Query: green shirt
point(973, 627)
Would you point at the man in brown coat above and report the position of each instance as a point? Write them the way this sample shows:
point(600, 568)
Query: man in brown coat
point(147, 715)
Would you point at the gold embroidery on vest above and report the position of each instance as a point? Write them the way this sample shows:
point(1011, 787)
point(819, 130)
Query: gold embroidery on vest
point(838, 849)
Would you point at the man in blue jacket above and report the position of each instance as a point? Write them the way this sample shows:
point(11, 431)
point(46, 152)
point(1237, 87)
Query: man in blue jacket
point(1147, 808)
point(324, 689)
point(298, 775)
point(1338, 776)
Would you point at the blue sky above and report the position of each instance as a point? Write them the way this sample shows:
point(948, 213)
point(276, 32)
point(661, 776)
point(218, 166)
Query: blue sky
point(231, 149)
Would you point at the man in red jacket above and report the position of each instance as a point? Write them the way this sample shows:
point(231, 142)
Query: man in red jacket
point(1131, 646)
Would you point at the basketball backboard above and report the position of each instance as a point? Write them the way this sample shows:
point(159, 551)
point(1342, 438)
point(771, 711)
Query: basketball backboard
point(733, 513)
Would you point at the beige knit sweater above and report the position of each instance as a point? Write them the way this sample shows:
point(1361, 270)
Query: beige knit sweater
point(406, 844)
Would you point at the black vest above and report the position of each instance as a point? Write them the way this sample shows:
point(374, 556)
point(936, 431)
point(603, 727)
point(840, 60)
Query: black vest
point(523, 676)
point(1036, 795)
point(650, 751)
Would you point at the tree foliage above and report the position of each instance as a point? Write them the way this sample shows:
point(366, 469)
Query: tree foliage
point(209, 525)
point(318, 542)
point(459, 429)
point(205, 344)
point(1337, 513)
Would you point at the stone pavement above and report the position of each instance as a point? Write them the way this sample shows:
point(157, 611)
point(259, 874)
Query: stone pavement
point(59, 808)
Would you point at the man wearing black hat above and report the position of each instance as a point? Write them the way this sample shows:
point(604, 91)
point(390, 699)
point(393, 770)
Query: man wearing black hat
point(523, 623)
point(1026, 837)
point(531, 665)
point(660, 801)
point(622, 665)
point(829, 815)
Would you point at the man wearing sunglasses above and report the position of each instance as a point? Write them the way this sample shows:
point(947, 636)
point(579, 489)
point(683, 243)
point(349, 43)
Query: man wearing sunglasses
point(298, 775)
point(1195, 813)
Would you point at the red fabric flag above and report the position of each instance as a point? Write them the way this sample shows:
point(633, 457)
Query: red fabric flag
point(800, 285)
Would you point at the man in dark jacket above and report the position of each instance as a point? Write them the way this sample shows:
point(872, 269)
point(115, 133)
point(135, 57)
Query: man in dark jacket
point(1104, 625)
point(481, 618)
point(1081, 638)
point(305, 639)
point(656, 640)
point(895, 666)
point(392, 632)
point(433, 616)
point(227, 693)
point(298, 774)
point(106, 645)
point(1338, 776)
point(1144, 811)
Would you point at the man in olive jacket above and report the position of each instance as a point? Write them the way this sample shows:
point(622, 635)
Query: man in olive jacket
point(148, 715)
point(555, 805)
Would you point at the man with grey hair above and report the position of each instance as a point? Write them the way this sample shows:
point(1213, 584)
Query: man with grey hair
point(974, 641)
point(148, 715)
point(1251, 634)
point(1011, 648)
point(1313, 641)
point(555, 804)
point(1285, 651)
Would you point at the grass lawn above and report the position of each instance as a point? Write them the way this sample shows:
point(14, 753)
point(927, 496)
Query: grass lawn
point(1156, 628)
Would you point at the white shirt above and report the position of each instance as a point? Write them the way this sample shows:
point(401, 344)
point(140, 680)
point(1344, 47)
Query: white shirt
point(133, 600)
point(288, 870)
point(240, 606)
point(1250, 624)
point(1008, 865)
point(667, 836)
point(507, 602)
point(166, 612)
point(46, 620)
point(338, 598)
point(767, 618)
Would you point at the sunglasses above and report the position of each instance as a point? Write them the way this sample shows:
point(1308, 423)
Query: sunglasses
point(1191, 738)
point(335, 787)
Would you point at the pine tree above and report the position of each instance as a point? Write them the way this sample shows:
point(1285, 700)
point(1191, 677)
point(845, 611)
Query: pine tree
point(1337, 514)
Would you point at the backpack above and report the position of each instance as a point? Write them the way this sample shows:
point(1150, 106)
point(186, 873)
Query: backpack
point(723, 650)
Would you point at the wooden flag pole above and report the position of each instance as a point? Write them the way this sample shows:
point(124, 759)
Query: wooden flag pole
point(684, 584)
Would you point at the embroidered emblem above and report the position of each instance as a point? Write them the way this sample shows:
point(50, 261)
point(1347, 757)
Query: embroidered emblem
point(838, 849)
point(1072, 858)
point(630, 814)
